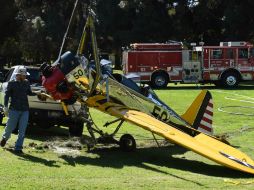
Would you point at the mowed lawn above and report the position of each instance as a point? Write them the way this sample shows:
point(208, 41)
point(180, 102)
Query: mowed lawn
point(54, 161)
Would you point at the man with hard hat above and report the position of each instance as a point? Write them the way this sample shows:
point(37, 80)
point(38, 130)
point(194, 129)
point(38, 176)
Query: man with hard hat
point(18, 110)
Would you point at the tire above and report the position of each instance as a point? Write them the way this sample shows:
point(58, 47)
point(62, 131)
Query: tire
point(230, 80)
point(45, 125)
point(159, 80)
point(76, 129)
point(127, 143)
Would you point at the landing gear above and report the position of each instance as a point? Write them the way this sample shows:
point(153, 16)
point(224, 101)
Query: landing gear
point(98, 136)
point(127, 143)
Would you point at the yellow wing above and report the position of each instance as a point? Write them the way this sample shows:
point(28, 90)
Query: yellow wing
point(202, 144)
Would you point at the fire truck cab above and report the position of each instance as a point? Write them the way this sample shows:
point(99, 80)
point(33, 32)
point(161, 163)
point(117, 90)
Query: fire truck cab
point(226, 64)
point(229, 63)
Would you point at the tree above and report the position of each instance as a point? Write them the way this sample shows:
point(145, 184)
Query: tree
point(8, 23)
point(46, 23)
point(36, 28)
point(10, 50)
point(238, 20)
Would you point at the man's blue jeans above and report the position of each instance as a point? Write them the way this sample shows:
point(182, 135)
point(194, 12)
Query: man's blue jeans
point(20, 118)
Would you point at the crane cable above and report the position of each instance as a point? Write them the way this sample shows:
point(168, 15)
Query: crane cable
point(67, 30)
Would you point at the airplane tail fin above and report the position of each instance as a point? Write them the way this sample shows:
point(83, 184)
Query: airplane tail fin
point(200, 114)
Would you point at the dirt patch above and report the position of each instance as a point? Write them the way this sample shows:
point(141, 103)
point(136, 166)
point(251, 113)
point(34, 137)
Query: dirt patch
point(66, 151)
point(64, 145)
point(74, 146)
point(236, 133)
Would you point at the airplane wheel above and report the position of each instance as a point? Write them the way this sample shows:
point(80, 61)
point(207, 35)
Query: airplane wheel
point(127, 143)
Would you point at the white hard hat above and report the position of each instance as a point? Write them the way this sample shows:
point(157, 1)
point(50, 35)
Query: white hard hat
point(21, 71)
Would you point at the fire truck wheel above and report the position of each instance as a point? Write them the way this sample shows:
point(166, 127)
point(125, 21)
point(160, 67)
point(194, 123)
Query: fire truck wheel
point(159, 80)
point(230, 80)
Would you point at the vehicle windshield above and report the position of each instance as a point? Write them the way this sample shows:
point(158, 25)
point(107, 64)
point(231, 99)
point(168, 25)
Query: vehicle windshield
point(8, 75)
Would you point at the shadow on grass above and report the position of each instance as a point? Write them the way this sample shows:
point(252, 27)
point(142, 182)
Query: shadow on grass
point(142, 157)
point(159, 157)
point(37, 133)
point(31, 158)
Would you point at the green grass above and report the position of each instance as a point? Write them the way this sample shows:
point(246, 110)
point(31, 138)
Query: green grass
point(149, 167)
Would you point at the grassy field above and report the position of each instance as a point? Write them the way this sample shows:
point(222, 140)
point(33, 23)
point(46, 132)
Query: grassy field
point(54, 161)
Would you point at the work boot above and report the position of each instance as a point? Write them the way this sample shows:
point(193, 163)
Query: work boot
point(3, 142)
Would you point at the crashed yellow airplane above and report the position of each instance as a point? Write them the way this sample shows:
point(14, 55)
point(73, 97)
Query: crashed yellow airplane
point(72, 78)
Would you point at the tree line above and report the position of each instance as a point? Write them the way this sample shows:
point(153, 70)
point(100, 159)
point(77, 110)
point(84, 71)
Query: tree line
point(32, 30)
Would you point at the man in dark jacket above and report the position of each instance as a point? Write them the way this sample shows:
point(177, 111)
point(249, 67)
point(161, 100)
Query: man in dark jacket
point(18, 111)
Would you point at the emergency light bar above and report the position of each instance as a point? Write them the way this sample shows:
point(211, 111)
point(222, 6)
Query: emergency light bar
point(231, 44)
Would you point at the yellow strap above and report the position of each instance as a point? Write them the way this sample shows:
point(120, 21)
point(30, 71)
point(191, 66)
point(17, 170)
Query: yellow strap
point(65, 108)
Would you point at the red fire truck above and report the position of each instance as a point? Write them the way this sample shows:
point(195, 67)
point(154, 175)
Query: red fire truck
point(158, 64)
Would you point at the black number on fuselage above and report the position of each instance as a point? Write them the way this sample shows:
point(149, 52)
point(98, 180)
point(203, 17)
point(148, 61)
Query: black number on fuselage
point(160, 114)
point(78, 74)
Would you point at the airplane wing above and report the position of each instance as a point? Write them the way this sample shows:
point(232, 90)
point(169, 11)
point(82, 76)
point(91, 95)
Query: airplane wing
point(202, 144)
